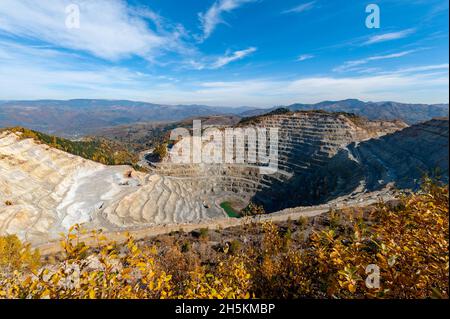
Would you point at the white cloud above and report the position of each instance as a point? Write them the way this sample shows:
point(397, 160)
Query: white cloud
point(301, 8)
point(237, 55)
point(389, 36)
point(408, 88)
point(213, 16)
point(109, 29)
point(433, 67)
point(351, 65)
point(304, 57)
point(29, 72)
point(212, 63)
point(36, 73)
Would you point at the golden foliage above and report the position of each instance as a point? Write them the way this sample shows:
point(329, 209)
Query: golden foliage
point(408, 242)
point(231, 281)
point(15, 256)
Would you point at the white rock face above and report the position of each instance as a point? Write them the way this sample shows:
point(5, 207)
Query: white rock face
point(49, 190)
point(44, 191)
point(331, 157)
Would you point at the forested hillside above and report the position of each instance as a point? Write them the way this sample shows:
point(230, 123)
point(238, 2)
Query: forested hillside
point(97, 149)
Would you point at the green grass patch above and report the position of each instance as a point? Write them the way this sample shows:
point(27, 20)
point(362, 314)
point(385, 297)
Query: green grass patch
point(230, 210)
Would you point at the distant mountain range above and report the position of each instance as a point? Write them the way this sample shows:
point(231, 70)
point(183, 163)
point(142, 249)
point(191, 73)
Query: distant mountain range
point(79, 117)
point(409, 113)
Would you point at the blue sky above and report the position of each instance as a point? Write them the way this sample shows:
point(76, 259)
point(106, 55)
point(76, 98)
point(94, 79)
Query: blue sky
point(224, 52)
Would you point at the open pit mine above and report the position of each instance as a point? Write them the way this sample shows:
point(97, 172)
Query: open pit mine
point(324, 160)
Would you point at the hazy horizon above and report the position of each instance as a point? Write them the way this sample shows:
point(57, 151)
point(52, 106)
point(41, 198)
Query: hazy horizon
point(213, 105)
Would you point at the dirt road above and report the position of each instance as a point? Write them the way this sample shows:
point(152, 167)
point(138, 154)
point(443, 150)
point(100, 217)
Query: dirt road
point(221, 223)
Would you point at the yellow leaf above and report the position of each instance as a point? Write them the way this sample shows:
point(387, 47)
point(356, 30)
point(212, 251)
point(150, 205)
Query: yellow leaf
point(351, 288)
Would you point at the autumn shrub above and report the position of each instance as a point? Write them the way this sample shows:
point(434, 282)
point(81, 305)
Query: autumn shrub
point(106, 274)
point(185, 247)
point(204, 233)
point(161, 151)
point(253, 210)
point(230, 280)
point(15, 256)
point(234, 246)
point(408, 242)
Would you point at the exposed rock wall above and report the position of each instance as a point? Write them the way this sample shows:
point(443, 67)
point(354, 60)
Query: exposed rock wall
point(322, 157)
point(307, 143)
point(44, 190)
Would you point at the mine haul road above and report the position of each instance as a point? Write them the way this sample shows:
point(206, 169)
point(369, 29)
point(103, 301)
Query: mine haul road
point(54, 247)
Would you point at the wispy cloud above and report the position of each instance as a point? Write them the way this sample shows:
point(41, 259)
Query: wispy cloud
point(389, 36)
point(118, 33)
point(351, 65)
point(236, 55)
point(109, 29)
point(301, 8)
point(304, 57)
point(213, 16)
point(444, 67)
point(213, 63)
point(34, 73)
point(412, 87)
point(440, 8)
point(44, 59)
